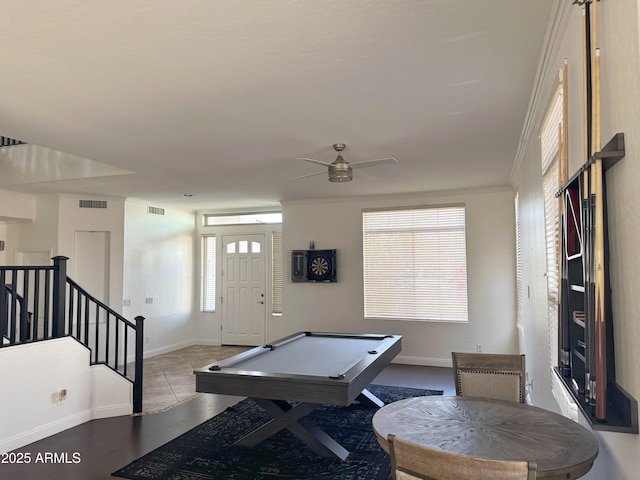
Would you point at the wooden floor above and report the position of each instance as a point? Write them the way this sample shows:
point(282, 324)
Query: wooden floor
point(100, 447)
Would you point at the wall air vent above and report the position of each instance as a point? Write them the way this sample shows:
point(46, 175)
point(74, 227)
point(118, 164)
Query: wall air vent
point(155, 210)
point(92, 203)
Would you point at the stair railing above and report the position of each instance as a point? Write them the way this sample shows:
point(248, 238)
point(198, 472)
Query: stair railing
point(21, 327)
point(42, 302)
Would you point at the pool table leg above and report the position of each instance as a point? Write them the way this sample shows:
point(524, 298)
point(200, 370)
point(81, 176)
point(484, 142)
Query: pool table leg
point(368, 398)
point(291, 418)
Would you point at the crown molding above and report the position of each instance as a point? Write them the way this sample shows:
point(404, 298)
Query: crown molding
point(546, 78)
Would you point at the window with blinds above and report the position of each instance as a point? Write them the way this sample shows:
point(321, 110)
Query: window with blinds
point(415, 264)
point(276, 272)
point(208, 274)
point(519, 279)
point(550, 144)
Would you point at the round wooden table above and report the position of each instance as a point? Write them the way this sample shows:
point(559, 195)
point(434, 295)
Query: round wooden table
point(491, 429)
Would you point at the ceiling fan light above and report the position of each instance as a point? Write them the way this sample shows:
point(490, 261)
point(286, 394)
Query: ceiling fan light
point(340, 173)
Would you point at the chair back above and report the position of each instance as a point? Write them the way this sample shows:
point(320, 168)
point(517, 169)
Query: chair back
point(490, 375)
point(410, 461)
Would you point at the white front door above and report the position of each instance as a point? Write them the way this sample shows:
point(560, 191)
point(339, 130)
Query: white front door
point(243, 290)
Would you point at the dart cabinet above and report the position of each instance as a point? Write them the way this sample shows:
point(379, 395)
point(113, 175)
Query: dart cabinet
point(313, 266)
point(580, 358)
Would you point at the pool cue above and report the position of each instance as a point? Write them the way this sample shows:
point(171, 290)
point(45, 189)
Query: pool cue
point(587, 251)
point(601, 320)
point(563, 280)
point(564, 167)
point(599, 254)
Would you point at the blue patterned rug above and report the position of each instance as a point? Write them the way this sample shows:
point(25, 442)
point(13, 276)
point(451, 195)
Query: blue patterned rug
point(207, 452)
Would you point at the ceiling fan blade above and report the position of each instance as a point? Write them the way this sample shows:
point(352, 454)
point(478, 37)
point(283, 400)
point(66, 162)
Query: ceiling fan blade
point(374, 163)
point(312, 160)
point(309, 175)
point(363, 174)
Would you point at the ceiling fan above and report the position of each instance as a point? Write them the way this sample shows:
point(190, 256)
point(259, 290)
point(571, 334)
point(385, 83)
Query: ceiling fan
point(342, 171)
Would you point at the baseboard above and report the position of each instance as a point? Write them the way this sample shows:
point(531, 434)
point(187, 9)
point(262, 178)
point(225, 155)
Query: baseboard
point(169, 348)
point(61, 425)
point(566, 404)
point(423, 361)
point(112, 411)
point(215, 342)
point(212, 342)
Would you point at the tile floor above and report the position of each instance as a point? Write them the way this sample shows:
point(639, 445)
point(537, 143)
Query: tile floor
point(169, 379)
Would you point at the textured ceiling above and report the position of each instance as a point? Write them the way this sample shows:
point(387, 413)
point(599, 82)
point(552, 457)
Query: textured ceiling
point(154, 99)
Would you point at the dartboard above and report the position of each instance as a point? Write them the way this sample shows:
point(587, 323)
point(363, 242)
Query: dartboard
point(319, 266)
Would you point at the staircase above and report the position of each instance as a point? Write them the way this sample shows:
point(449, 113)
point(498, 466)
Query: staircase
point(41, 303)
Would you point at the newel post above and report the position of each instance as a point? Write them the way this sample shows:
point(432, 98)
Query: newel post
point(59, 295)
point(137, 382)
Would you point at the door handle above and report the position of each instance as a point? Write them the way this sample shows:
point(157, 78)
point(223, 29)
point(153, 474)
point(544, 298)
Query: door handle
point(262, 302)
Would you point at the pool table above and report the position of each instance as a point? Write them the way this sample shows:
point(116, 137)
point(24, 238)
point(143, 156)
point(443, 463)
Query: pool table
point(293, 376)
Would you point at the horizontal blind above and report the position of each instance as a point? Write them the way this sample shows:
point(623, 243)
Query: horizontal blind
point(415, 264)
point(549, 134)
point(551, 215)
point(519, 259)
point(277, 272)
point(549, 139)
point(550, 145)
point(208, 274)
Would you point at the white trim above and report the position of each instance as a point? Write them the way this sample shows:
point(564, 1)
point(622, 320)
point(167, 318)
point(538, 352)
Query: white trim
point(215, 342)
point(95, 391)
point(63, 424)
point(564, 400)
point(546, 75)
point(423, 361)
point(169, 348)
point(399, 196)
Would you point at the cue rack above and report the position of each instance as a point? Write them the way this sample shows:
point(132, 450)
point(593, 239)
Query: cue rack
point(585, 320)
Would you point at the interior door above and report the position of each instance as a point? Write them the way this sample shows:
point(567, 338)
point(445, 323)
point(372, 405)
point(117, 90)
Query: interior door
point(243, 290)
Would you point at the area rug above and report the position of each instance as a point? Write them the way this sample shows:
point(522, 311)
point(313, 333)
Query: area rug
point(206, 452)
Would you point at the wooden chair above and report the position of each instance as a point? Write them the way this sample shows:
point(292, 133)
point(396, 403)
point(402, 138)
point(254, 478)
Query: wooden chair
point(410, 461)
point(499, 376)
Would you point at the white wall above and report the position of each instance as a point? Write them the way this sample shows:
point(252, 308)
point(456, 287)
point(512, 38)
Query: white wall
point(38, 234)
point(159, 275)
point(339, 306)
point(31, 377)
point(17, 207)
point(14, 208)
point(621, 113)
point(72, 218)
point(152, 270)
point(151, 258)
point(3, 237)
point(619, 43)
